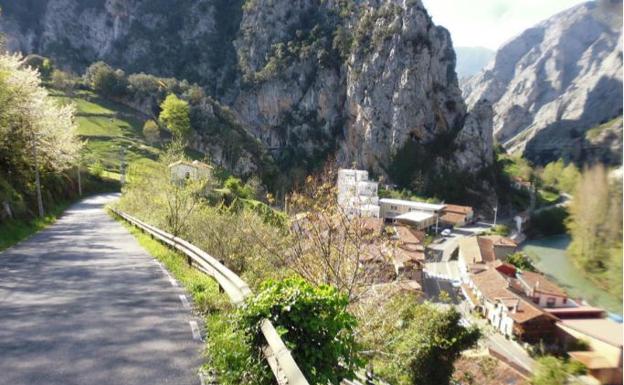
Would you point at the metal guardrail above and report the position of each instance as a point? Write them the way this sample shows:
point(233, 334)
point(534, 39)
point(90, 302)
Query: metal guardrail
point(277, 354)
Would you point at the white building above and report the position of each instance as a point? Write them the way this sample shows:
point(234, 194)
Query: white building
point(356, 194)
point(183, 170)
point(419, 214)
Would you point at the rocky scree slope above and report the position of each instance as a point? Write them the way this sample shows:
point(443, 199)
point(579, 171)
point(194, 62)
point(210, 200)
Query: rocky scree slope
point(372, 82)
point(554, 82)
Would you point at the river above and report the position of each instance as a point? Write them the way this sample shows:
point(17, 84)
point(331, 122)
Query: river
point(549, 256)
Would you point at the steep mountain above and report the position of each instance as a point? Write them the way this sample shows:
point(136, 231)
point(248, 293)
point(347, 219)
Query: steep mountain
point(555, 81)
point(471, 60)
point(367, 82)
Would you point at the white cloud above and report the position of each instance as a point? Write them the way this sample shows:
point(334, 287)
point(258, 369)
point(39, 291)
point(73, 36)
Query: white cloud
point(489, 23)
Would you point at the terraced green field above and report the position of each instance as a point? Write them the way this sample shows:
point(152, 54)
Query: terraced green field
point(106, 126)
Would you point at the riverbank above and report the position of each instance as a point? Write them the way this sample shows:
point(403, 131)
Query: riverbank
point(549, 256)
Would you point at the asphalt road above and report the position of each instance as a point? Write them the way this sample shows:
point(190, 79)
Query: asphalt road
point(82, 303)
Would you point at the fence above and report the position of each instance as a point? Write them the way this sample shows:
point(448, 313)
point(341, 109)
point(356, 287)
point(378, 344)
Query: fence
point(278, 356)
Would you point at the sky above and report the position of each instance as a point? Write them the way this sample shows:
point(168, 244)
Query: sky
point(490, 23)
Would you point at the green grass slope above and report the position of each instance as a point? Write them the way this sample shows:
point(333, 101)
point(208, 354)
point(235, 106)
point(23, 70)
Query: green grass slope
point(106, 126)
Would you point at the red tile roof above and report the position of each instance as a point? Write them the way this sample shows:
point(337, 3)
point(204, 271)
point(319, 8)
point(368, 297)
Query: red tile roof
point(499, 240)
point(458, 209)
point(540, 283)
point(453, 218)
point(527, 311)
point(486, 247)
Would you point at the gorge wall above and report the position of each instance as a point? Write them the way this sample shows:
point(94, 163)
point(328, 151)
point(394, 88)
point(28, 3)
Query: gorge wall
point(556, 81)
point(371, 83)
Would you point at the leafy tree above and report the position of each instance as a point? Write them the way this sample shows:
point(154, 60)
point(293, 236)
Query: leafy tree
point(552, 172)
point(412, 343)
point(175, 115)
point(151, 132)
point(550, 371)
point(521, 261)
point(595, 224)
point(41, 64)
point(569, 178)
point(314, 324)
point(105, 80)
point(32, 121)
point(62, 80)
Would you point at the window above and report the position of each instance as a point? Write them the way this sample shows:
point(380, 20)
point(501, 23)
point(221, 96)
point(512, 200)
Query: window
point(550, 302)
point(535, 299)
point(187, 175)
point(565, 300)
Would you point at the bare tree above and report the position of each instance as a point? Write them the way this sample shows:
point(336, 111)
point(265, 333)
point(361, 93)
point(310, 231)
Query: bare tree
point(329, 244)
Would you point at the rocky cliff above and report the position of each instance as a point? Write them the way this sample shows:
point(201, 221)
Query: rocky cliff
point(555, 81)
point(371, 83)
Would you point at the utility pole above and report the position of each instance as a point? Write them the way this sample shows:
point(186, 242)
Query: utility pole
point(79, 180)
point(495, 212)
point(37, 177)
point(122, 166)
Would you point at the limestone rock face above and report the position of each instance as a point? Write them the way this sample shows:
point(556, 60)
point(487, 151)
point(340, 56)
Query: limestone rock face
point(555, 81)
point(476, 138)
point(401, 85)
point(360, 81)
point(177, 39)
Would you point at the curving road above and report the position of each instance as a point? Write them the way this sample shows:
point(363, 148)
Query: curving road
point(81, 303)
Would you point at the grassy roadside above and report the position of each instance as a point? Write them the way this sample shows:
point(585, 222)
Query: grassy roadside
point(14, 231)
point(203, 289)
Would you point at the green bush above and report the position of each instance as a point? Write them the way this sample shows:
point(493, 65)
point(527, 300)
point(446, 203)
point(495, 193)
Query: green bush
point(413, 343)
point(105, 80)
point(521, 261)
point(314, 324)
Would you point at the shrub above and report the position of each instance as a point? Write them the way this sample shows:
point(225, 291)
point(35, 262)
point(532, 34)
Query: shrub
point(414, 343)
point(521, 261)
point(63, 81)
point(41, 64)
point(105, 80)
point(151, 132)
point(175, 115)
point(314, 324)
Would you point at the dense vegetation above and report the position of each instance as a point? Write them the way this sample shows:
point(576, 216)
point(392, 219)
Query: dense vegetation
point(555, 371)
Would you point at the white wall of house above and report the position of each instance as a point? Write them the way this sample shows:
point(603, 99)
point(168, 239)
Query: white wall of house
point(546, 300)
point(502, 252)
point(182, 171)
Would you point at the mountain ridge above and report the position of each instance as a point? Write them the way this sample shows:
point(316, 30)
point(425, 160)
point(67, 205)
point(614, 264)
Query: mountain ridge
point(302, 76)
point(555, 81)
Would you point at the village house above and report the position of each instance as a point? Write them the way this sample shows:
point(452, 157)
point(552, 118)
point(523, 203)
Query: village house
point(541, 290)
point(409, 255)
point(456, 215)
point(489, 293)
point(603, 337)
point(501, 245)
point(420, 215)
point(475, 253)
point(183, 170)
point(397, 254)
